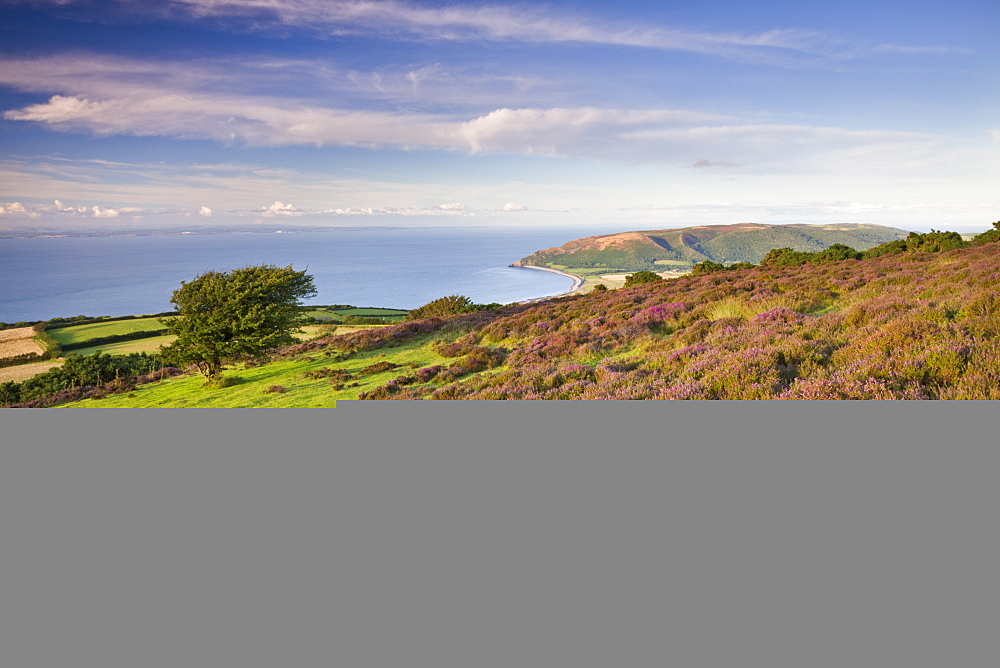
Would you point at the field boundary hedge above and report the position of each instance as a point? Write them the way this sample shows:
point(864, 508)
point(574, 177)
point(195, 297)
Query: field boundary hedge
point(52, 348)
point(54, 323)
point(114, 338)
point(25, 358)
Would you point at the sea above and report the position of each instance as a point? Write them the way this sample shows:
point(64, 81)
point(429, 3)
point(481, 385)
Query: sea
point(47, 277)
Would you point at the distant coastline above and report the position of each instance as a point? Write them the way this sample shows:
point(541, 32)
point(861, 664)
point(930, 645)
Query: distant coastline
point(119, 276)
point(50, 233)
point(577, 283)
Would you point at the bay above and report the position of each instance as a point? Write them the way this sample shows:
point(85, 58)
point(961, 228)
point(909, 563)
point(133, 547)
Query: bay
point(42, 278)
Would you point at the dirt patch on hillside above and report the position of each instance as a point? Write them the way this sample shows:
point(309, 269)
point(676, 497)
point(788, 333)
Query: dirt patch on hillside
point(22, 372)
point(618, 240)
point(18, 341)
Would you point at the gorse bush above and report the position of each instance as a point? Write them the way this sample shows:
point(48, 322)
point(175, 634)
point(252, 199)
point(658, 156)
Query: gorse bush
point(642, 278)
point(989, 236)
point(85, 376)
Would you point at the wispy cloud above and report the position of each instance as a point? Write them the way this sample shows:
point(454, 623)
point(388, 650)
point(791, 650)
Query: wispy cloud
point(524, 23)
point(316, 81)
point(218, 190)
point(232, 119)
point(635, 136)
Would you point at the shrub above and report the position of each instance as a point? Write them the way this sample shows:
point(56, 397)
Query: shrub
point(989, 236)
point(378, 367)
point(326, 372)
point(450, 305)
point(220, 382)
point(428, 373)
point(642, 278)
point(707, 267)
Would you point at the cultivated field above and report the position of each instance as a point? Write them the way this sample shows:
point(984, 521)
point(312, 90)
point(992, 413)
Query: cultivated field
point(18, 341)
point(82, 333)
point(338, 314)
point(148, 345)
point(22, 372)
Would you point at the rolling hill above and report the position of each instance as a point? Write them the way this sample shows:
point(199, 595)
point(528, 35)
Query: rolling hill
point(659, 250)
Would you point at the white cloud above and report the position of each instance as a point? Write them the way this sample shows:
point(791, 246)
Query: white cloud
point(253, 121)
point(563, 131)
point(17, 209)
point(59, 210)
point(513, 206)
point(98, 212)
point(666, 136)
point(116, 96)
point(205, 211)
point(281, 209)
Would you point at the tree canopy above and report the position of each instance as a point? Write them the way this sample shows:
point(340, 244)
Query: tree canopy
point(449, 305)
point(989, 236)
point(242, 313)
point(641, 278)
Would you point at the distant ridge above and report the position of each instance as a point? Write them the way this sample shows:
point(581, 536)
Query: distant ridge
point(661, 250)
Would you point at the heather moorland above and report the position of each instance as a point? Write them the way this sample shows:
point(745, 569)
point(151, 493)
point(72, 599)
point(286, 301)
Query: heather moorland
point(912, 319)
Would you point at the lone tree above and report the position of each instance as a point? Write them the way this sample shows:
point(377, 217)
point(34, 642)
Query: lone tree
point(247, 312)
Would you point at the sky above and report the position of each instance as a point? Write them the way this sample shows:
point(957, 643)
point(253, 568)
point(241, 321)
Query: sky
point(638, 115)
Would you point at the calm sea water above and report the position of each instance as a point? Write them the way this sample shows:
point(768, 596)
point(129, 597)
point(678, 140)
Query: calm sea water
point(396, 268)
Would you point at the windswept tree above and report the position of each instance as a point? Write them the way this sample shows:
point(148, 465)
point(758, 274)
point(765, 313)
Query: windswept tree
point(228, 315)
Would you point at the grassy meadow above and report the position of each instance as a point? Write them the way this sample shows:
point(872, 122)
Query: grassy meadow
point(301, 381)
point(341, 314)
point(147, 345)
point(77, 334)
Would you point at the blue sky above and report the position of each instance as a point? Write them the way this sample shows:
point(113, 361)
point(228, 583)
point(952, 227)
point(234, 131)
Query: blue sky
point(634, 114)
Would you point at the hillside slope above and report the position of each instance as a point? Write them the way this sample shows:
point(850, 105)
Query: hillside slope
point(917, 323)
point(922, 325)
point(657, 250)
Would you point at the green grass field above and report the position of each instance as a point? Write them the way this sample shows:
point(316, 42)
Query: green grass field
point(380, 312)
point(189, 391)
point(83, 333)
point(341, 313)
point(148, 345)
point(153, 343)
